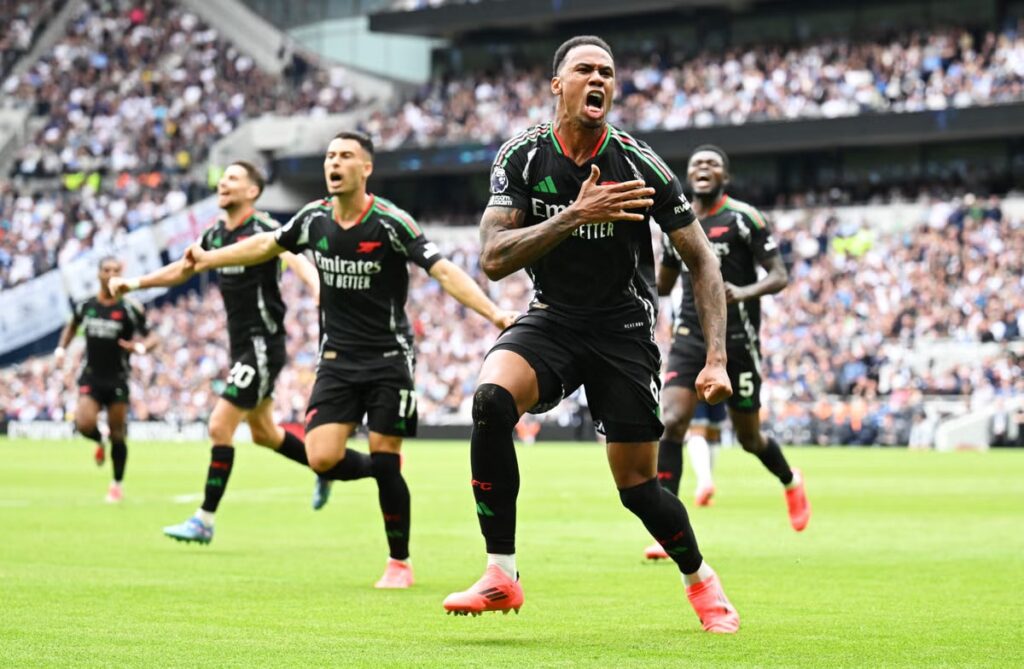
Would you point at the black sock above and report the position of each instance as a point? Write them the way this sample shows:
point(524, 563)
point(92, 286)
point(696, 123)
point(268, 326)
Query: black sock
point(354, 465)
point(495, 470)
point(775, 462)
point(670, 465)
point(293, 448)
point(118, 457)
point(221, 460)
point(93, 434)
point(665, 518)
point(393, 494)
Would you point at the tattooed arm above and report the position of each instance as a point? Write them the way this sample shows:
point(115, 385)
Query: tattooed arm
point(506, 246)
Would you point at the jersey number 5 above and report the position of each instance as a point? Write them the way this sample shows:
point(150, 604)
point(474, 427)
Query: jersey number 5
point(746, 384)
point(241, 375)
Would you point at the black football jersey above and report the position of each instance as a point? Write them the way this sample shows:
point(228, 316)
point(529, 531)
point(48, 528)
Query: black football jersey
point(364, 274)
point(603, 275)
point(740, 237)
point(252, 295)
point(103, 326)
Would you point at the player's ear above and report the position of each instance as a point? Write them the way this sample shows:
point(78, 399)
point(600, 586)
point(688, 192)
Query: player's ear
point(367, 168)
point(253, 192)
point(556, 85)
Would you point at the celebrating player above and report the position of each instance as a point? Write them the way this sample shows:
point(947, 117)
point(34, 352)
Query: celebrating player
point(362, 244)
point(740, 237)
point(255, 315)
point(110, 325)
point(571, 200)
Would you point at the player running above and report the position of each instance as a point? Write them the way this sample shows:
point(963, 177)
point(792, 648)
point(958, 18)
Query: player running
point(740, 237)
point(255, 316)
point(362, 244)
point(110, 325)
point(570, 202)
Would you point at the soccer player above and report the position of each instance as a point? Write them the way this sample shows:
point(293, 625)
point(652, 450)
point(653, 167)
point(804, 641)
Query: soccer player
point(570, 202)
point(362, 244)
point(255, 315)
point(740, 237)
point(110, 325)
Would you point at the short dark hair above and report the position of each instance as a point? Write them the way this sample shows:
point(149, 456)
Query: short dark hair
point(714, 149)
point(253, 173)
point(109, 258)
point(361, 137)
point(570, 44)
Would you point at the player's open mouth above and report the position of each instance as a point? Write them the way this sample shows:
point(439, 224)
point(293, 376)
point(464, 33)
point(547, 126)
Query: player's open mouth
point(594, 103)
point(702, 179)
point(334, 178)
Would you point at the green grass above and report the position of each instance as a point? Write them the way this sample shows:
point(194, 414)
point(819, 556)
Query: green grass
point(911, 559)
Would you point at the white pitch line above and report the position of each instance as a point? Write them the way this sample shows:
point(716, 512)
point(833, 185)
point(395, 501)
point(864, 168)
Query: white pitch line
point(257, 494)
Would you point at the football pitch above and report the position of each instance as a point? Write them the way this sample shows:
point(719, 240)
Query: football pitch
point(910, 559)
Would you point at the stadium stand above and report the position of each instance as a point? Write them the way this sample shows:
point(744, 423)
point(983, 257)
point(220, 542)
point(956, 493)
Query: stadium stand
point(664, 88)
point(125, 126)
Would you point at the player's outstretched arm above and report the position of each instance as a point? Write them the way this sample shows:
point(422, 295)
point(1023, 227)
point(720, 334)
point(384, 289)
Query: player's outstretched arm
point(712, 383)
point(301, 266)
point(252, 251)
point(172, 274)
point(776, 279)
point(508, 247)
point(461, 286)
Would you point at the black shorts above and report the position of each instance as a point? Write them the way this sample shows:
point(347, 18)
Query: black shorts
point(104, 391)
point(687, 358)
point(255, 364)
point(618, 371)
point(375, 384)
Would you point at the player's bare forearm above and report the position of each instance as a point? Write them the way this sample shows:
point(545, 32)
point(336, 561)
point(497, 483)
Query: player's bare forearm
point(776, 279)
point(252, 251)
point(151, 341)
point(461, 286)
point(67, 334)
point(708, 288)
point(506, 247)
point(172, 274)
point(667, 277)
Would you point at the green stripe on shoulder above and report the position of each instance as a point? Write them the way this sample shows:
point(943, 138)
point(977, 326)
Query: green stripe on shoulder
point(391, 210)
point(266, 221)
point(752, 213)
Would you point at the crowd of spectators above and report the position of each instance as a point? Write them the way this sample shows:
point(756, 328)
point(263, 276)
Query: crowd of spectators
point(670, 89)
point(131, 100)
point(23, 21)
point(840, 344)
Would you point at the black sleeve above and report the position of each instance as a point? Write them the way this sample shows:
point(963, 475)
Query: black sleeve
point(206, 239)
point(762, 244)
point(508, 187)
point(137, 315)
point(294, 235)
point(413, 243)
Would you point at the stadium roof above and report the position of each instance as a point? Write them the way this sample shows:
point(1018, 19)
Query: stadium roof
point(452, 20)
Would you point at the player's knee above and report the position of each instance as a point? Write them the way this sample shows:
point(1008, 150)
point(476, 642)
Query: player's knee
point(85, 425)
point(494, 407)
point(641, 499)
point(675, 422)
point(322, 461)
point(118, 433)
point(750, 440)
point(220, 433)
